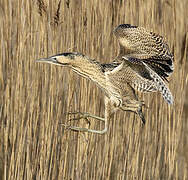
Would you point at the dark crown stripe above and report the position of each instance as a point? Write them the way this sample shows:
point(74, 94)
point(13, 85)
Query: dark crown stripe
point(126, 26)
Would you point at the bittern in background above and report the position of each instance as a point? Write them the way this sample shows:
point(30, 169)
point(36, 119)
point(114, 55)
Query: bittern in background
point(143, 64)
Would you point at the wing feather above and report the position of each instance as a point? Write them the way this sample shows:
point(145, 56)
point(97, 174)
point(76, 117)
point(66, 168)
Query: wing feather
point(149, 47)
point(141, 77)
point(125, 73)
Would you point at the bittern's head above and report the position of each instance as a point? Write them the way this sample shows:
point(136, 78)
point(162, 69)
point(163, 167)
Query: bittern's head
point(64, 59)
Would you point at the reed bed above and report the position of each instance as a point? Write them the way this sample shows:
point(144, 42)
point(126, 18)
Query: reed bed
point(35, 98)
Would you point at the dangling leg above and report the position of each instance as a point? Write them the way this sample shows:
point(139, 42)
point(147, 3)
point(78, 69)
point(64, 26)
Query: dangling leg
point(130, 102)
point(107, 115)
point(139, 112)
point(134, 106)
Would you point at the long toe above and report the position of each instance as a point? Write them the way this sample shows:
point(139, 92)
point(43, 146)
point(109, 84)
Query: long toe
point(79, 129)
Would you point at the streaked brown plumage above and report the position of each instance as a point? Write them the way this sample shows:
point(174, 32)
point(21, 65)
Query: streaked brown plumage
point(143, 63)
point(149, 57)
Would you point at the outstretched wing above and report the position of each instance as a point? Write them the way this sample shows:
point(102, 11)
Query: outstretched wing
point(148, 47)
point(140, 76)
point(135, 75)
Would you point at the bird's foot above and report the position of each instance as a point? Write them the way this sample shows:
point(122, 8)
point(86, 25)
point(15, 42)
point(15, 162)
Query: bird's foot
point(80, 116)
point(139, 112)
point(80, 129)
point(85, 116)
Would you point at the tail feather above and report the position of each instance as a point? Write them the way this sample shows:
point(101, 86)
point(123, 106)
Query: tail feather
point(163, 89)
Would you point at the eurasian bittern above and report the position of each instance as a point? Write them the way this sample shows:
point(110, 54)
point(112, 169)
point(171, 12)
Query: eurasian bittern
point(144, 62)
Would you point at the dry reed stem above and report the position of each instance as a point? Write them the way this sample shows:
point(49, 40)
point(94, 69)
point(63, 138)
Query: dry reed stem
point(35, 97)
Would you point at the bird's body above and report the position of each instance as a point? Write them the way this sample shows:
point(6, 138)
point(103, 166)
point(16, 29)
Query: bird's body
point(143, 64)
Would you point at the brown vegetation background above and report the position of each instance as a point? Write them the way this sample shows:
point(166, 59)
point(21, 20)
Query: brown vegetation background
point(34, 98)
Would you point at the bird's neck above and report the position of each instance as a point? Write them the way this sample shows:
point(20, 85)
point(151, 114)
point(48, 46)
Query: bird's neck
point(91, 70)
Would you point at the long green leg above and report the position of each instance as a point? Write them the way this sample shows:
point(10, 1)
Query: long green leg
point(86, 115)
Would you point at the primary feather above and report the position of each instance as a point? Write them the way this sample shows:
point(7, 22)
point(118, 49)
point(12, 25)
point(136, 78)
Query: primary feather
point(148, 55)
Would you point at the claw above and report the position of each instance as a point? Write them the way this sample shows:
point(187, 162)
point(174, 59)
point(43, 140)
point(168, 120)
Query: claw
point(83, 116)
point(141, 117)
point(143, 104)
point(86, 116)
point(139, 112)
point(66, 126)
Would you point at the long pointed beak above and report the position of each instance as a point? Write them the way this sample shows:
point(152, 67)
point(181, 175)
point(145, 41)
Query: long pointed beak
point(50, 60)
point(47, 60)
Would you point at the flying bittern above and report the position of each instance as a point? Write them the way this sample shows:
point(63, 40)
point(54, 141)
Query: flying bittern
point(143, 64)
